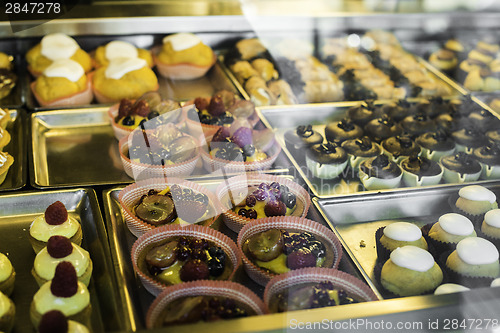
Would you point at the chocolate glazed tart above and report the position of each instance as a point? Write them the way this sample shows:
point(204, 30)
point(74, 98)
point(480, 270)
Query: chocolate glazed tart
point(302, 137)
point(360, 150)
point(460, 168)
point(436, 145)
point(342, 130)
point(379, 172)
point(489, 158)
point(326, 161)
point(420, 171)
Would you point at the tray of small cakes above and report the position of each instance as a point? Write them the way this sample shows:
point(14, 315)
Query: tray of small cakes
point(432, 241)
point(208, 260)
point(13, 172)
point(352, 148)
point(55, 263)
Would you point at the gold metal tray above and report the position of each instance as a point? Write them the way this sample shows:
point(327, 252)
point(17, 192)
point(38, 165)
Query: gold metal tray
point(16, 177)
point(136, 300)
point(18, 211)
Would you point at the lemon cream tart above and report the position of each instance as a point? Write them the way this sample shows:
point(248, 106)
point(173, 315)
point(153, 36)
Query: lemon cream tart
point(55, 221)
point(475, 257)
point(7, 275)
point(7, 313)
point(56, 322)
point(60, 248)
point(120, 49)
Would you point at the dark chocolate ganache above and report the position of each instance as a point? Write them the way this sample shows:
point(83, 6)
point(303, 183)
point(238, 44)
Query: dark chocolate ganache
point(360, 115)
point(469, 137)
point(342, 130)
point(397, 111)
point(328, 153)
point(382, 128)
point(418, 124)
point(436, 141)
point(489, 154)
point(401, 146)
point(462, 163)
point(421, 166)
point(363, 147)
point(303, 136)
point(380, 167)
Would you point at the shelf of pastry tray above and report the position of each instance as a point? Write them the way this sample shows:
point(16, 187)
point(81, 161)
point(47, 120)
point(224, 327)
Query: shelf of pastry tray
point(274, 117)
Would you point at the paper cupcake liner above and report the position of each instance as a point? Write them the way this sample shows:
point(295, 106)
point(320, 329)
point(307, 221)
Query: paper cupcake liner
point(455, 277)
point(131, 194)
point(436, 247)
point(382, 253)
point(241, 183)
point(181, 71)
point(453, 177)
point(81, 98)
point(262, 276)
point(139, 171)
point(161, 233)
point(354, 287)
point(228, 289)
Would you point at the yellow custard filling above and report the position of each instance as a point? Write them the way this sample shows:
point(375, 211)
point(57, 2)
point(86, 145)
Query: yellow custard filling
point(42, 231)
point(45, 265)
point(45, 301)
point(200, 55)
point(4, 304)
point(5, 267)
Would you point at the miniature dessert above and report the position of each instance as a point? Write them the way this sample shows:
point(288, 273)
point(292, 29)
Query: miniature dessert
point(460, 168)
point(489, 158)
point(343, 130)
point(421, 171)
point(467, 139)
point(361, 115)
point(382, 128)
point(379, 173)
point(396, 111)
point(326, 161)
point(8, 78)
point(5, 162)
point(400, 147)
point(475, 200)
point(302, 138)
point(56, 322)
point(184, 56)
point(4, 118)
point(484, 120)
point(450, 288)
point(218, 109)
point(120, 49)
point(395, 235)
point(435, 145)
point(491, 224)
point(7, 275)
point(55, 221)
point(60, 248)
point(444, 60)
point(450, 229)
point(418, 124)
point(359, 150)
point(410, 271)
point(4, 138)
point(237, 147)
point(7, 313)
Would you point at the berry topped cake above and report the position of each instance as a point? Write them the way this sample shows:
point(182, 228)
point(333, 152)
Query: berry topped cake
point(238, 147)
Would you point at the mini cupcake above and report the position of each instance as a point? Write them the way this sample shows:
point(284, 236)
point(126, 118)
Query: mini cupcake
point(474, 263)
point(410, 271)
point(7, 313)
point(382, 128)
point(7, 275)
point(490, 227)
point(377, 173)
point(474, 201)
point(203, 301)
point(56, 322)
point(326, 161)
point(64, 293)
point(63, 83)
point(494, 135)
point(120, 49)
point(4, 138)
point(361, 114)
point(444, 60)
point(60, 248)
point(343, 130)
point(55, 221)
point(421, 171)
point(4, 118)
point(460, 168)
point(8, 78)
point(5, 163)
point(418, 124)
point(452, 121)
point(359, 150)
point(435, 145)
point(467, 139)
point(183, 56)
point(450, 229)
point(397, 234)
point(302, 138)
point(450, 288)
point(395, 110)
point(484, 120)
point(400, 147)
point(489, 158)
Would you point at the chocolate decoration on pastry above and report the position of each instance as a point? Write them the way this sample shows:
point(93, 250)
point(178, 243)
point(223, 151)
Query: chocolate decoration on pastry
point(362, 147)
point(361, 114)
point(303, 136)
point(489, 154)
point(380, 167)
point(462, 163)
point(342, 130)
point(421, 166)
point(328, 153)
point(382, 128)
point(397, 111)
point(418, 124)
point(452, 121)
point(469, 137)
point(484, 120)
point(438, 140)
point(401, 146)
point(494, 135)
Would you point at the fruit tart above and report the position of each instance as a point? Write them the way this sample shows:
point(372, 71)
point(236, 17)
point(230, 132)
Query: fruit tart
point(8, 78)
point(154, 202)
point(277, 245)
point(170, 255)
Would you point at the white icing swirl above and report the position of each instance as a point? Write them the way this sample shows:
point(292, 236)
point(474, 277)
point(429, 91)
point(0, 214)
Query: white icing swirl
point(492, 218)
point(456, 224)
point(495, 283)
point(42, 231)
point(45, 265)
point(4, 304)
point(45, 301)
point(5, 267)
point(118, 67)
point(477, 251)
point(120, 49)
point(477, 193)
point(76, 327)
point(58, 46)
point(413, 258)
point(403, 231)
point(3, 158)
point(66, 68)
point(182, 41)
point(449, 288)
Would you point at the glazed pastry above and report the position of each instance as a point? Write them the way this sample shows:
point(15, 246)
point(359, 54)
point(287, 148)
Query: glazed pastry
point(265, 69)
point(475, 200)
point(451, 228)
point(64, 293)
point(56, 322)
point(420, 171)
point(55, 221)
point(4, 138)
point(444, 60)
point(435, 145)
point(382, 128)
point(343, 130)
point(399, 234)
point(250, 48)
point(7, 313)
point(184, 56)
point(326, 161)
point(360, 150)
point(55, 47)
point(400, 147)
point(8, 78)
point(467, 139)
point(283, 92)
point(120, 49)
point(489, 158)
point(62, 83)
point(259, 93)
point(450, 288)
point(60, 248)
point(7, 275)
point(418, 124)
point(4, 118)
point(460, 168)
point(410, 271)
point(5, 162)
point(243, 70)
point(237, 147)
point(217, 109)
point(379, 173)
point(302, 138)
point(123, 78)
point(491, 224)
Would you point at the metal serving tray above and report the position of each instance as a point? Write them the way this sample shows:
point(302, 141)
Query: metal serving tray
point(283, 119)
point(16, 177)
point(16, 214)
point(136, 300)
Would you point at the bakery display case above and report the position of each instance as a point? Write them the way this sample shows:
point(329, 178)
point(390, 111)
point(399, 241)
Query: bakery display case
point(328, 168)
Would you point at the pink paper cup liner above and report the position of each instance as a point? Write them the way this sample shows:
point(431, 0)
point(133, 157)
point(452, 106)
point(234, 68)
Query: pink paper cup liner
point(137, 170)
point(131, 194)
point(103, 99)
point(181, 71)
point(291, 223)
point(227, 289)
point(81, 98)
point(240, 184)
point(164, 232)
point(353, 286)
